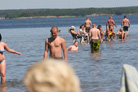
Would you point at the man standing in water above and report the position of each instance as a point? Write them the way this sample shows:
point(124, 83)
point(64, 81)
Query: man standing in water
point(94, 36)
point(88, 25)
point(126, 24)
point(55, 44)
point(110, 23)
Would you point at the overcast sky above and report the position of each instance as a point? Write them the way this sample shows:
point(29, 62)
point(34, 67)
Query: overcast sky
point(60, 4)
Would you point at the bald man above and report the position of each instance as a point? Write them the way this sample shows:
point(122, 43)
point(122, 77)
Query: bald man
point(54, 44)
point(110, 23)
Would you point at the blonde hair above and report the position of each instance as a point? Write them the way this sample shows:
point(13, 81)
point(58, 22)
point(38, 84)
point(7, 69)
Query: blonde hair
point(51, 76)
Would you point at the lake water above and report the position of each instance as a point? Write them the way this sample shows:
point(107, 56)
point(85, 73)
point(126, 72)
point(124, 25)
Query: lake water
point(97, 73)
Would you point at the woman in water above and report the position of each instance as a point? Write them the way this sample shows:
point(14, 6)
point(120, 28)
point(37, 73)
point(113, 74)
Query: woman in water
point(3, 46)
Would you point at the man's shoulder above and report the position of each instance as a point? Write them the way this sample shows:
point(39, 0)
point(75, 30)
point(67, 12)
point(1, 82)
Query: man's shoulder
point(60, 38)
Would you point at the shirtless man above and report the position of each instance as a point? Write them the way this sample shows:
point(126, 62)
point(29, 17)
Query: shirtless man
point(125, 24)
point(88, 25)
point(73, 47)
point(94, 36)
point(55, 44)
point(110, 23)
point(121, 33)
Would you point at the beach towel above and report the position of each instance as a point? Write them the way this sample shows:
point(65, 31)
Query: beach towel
point(129, 82)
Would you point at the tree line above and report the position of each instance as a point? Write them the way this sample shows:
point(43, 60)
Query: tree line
point(10, 14)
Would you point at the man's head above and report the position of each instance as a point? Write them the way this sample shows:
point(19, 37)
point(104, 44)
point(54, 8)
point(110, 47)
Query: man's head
point(93, 25)
point(110, 17)
point(72, 28)
point(51, 76)
point(76, 43)
point(124, 16)
point(54, 31)
point(99, 27)
point(87, 18)
point(121, 29)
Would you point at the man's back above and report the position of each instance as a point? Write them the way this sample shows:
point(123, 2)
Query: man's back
point(125, 21)
point(94, 32)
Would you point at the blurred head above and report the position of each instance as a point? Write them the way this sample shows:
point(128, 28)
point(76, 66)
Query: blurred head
point(72, 28)
point(0, 37)
point(82, 26)
point(124, 16)
point(110, 17)
point(54, 31)
point(99, 26)
point(87, 18)
point(76, 43)
point(121, 29)
point(93, 25)
point(51, 76)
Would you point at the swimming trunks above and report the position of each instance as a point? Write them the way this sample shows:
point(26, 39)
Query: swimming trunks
point(87, 29)
point(94, 46)
point(110, 33)
point(125, 28)
point(2, 61)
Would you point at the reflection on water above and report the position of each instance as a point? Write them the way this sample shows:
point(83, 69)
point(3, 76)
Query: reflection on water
point(3, 88)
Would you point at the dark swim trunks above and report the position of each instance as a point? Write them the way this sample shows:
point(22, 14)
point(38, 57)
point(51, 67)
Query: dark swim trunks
point(87, 29)
point(125, 28)
point(94, 46)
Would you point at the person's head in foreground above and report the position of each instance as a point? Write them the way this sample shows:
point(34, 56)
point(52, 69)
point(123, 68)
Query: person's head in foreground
point(51, 76)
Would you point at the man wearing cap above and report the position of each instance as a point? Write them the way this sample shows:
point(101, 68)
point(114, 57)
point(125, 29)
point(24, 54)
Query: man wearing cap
point(54, 44)
point(101, 31)
point(94, 36)
point(73, 33)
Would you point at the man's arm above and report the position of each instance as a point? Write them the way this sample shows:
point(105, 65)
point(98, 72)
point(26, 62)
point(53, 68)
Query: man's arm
point(69, 48)
point(46, 49)
point(114, 23)
point(90, 35)
point(64, 49)
point(91, 24)
point(122, 23)
point(129, 23)
point(99, 36)
point(107, 23)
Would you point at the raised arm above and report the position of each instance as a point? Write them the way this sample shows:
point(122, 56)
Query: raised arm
point(46, 49)
point(64, 49)
point(10, 50)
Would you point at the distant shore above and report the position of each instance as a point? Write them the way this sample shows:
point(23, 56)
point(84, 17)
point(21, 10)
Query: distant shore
point(91, 15)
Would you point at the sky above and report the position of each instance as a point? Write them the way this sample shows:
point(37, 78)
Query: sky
point(64, 4)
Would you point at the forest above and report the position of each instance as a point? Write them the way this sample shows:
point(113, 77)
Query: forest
point(12, 14)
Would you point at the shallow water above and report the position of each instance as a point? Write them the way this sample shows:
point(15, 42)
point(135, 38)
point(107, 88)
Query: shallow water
point(97, 73)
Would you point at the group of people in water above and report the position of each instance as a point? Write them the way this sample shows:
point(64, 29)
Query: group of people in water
point(88, 33)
